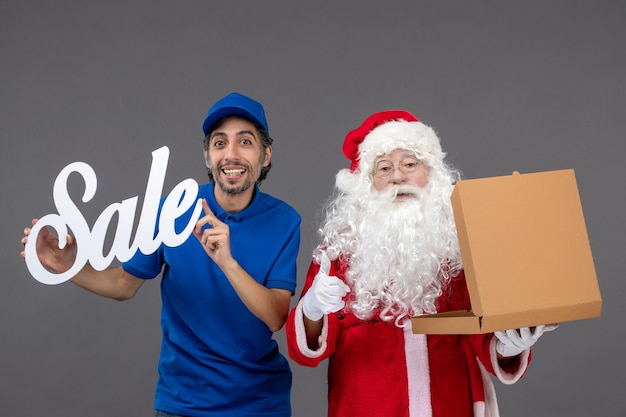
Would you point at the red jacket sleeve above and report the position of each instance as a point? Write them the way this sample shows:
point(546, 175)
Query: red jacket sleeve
point(294, 329)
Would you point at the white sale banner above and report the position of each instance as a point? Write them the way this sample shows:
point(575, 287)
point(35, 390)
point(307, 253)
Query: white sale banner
point(90, 242)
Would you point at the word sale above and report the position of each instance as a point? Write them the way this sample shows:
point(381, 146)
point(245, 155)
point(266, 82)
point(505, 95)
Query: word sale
point(90, 243)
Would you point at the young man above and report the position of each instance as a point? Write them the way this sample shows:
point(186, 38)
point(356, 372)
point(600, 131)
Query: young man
point(226, 289)
point(389, 251)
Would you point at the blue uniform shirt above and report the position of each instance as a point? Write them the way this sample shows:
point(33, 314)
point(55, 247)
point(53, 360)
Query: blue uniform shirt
point(217, 358)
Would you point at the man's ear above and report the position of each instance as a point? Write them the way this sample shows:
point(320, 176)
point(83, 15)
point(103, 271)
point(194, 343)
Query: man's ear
point(205, 153)
point(268, 156)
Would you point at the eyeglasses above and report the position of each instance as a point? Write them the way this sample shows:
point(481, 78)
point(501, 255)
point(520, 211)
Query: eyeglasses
point(384, 169)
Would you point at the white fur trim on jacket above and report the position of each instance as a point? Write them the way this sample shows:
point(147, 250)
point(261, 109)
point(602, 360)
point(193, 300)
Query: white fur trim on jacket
point(301, 335)
point(418, 372)
point(490, 407)
point(504, 377)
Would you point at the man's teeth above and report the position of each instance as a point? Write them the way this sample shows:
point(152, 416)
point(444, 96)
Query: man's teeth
point(233, 171)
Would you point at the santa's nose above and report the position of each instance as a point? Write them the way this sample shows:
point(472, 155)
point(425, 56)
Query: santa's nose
point(397, 176)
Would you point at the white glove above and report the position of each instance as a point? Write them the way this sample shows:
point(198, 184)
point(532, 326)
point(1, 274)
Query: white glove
point(326, 293)
point(515, 341)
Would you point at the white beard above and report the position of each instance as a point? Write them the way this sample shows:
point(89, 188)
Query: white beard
point(399, 253)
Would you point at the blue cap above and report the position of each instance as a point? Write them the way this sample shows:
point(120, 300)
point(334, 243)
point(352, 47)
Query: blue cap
point(235, 104)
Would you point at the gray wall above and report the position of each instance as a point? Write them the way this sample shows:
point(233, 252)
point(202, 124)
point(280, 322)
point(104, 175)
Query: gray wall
point(508, 85)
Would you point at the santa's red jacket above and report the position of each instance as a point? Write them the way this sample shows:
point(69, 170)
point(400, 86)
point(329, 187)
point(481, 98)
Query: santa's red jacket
point(378, 369)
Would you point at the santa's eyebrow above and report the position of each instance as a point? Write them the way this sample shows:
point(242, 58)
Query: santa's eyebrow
point(406, 154)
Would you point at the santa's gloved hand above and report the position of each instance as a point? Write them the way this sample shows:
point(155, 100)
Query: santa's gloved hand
point(515, 341)
point(326, 293)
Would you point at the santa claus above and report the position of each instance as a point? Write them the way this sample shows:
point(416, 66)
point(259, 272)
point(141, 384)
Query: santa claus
point(389, 251)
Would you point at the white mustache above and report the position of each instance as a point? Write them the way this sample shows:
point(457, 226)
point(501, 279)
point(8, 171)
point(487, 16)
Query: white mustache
point(391, 192)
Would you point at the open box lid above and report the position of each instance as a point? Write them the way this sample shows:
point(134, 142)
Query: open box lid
point(526, 255)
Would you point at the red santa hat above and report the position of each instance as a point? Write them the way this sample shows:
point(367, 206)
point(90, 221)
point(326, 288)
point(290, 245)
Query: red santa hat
point(385, 131)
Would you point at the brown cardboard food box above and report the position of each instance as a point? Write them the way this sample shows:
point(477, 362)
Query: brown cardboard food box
point(526, 255)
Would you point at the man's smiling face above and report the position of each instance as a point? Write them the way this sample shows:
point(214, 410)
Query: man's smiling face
point(235, 155)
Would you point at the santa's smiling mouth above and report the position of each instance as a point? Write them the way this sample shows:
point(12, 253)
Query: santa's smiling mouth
point(406, 192)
